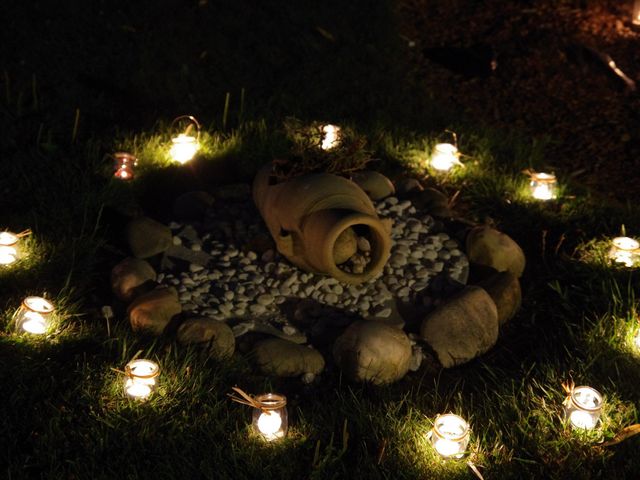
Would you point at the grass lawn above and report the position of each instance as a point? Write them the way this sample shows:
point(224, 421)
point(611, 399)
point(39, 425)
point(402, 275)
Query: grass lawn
point(84, 79)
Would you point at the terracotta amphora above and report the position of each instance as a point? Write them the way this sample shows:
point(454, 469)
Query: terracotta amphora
point(316, 218)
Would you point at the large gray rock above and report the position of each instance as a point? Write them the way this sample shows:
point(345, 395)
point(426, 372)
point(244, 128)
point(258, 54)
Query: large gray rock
point(376, 185)
point(129, 277)
point(216, 337)
point(504, 289)
point(282, 358)
point(153, 311)
point(147, 238)
point(490, 247)
point(370, 351)
point(462, 328)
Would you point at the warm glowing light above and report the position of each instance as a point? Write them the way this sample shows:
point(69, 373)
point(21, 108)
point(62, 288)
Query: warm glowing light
point(184, 148)
point(330, 137)
point(450, 435)
point(8, 248)
point(270, 416)
point(141, 378)
point(583, 408)
point(185, 145)
point(124, 165)
point(543, 186)
point(269, 423)
point(34, 315)
point(635, 17)
point(445, 156)
point(636, 340)
point(625, 250)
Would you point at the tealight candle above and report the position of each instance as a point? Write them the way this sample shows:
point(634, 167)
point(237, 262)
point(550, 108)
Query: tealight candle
point(140, 379)
point(330, 137)
point(625, 250)
point(124, 163)
point(9, 251)
point(185, 145)
point(270, 416)
point(34, 315)
point(450, 435)
point(635, 16)
point(445, 156)
point(583, 407)
point(543, 186)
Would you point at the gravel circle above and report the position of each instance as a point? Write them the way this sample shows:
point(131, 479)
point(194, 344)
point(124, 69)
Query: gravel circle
point(240, 286)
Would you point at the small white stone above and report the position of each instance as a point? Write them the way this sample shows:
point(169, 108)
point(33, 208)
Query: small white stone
point(177, 240)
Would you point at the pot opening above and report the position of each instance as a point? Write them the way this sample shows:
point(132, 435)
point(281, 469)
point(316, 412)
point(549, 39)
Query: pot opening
point(353, 249)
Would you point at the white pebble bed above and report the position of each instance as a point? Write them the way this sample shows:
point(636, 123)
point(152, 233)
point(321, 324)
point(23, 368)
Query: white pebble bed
point(242, 285)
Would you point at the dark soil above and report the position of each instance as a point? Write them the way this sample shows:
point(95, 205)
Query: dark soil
point(540, 69)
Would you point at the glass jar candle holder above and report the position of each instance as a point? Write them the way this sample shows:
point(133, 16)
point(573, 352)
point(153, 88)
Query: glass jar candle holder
point(270, 416)
point(543, 186)
point(9, 248)
point(625, 250)
point(34, 315)
point(583, 407)
point(450, 435)
point(330, 136)
point(635, 14)
point(636, 340)
point(445, 156)
point(124, 165)
point(141, 378)
point(185, 145)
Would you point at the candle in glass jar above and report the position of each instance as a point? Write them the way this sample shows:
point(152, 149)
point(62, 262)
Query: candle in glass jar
point(635, 16)
point(9, 252)
point(141, 378)
point(34, 315)
point(450, 435)
point(445, 156)
point(330, 136)
point(543, 186)
point(270, 416)
point(124, 163)
point(625, 250)
point(583, 407)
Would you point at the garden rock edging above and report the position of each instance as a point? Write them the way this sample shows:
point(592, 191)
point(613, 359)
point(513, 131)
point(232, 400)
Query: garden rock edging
point(212, 325)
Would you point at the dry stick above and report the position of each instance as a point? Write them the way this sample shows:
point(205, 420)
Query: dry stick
point(24, 233)
point(560, 242)
point(245, 399)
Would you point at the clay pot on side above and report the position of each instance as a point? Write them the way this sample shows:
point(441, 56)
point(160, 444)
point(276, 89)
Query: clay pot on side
point(307, 214)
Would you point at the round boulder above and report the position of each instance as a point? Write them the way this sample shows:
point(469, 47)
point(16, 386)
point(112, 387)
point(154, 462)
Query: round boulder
point(504, 289)
point(490, 247)
point(129, 276)
point(462, 328)
point(376, 185)
point(152, 311)
point(283, 358)
point(147, 237)
point(369, 351)
point(216, 337)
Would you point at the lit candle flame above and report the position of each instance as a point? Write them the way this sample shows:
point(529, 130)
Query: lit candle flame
point(269, 424)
